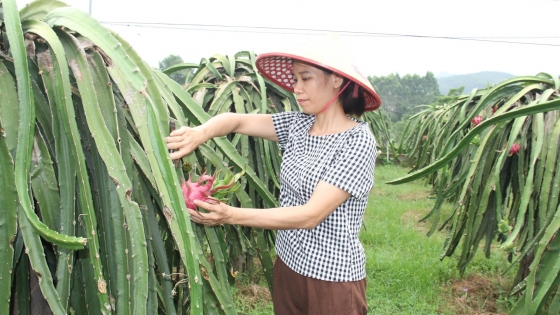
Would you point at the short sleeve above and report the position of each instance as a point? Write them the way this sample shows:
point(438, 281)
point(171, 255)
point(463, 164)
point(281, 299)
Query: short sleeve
point(352, 168)
point(282, 122)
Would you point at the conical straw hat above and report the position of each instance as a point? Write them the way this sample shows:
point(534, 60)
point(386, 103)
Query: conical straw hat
point(329, 52)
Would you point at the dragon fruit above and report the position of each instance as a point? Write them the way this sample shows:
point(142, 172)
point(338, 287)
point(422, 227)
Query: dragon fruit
point(208, 189)
point(514, 149)
point(477, 120)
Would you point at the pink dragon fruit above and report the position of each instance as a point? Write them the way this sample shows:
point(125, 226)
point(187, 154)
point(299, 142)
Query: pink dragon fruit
point(477, 120)
point(204, 188)
point(514, 149)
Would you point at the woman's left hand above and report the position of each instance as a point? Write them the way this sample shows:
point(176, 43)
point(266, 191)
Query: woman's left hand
point(216, 214)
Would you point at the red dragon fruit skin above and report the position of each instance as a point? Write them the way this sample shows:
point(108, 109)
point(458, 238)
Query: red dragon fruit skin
point(201, 189)
point(477, 120)
point(514, 149)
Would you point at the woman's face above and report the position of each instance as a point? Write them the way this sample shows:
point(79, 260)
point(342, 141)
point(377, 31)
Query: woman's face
point(313, 87)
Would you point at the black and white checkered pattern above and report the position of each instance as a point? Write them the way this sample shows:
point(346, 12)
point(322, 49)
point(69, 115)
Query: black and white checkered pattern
point(332, 250)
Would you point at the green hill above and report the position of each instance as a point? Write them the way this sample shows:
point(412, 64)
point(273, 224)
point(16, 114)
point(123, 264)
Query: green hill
point(470, 81)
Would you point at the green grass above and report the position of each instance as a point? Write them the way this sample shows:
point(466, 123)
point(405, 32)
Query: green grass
point(404, 272)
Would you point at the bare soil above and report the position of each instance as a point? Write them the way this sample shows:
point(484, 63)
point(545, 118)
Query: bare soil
point(252, 295)
point(476, 295)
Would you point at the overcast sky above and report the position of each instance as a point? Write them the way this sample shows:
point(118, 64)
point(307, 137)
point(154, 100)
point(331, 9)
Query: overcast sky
point(200, 29)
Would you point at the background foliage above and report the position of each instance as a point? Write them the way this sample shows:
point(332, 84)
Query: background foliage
point(178, 76)
point(401, 95)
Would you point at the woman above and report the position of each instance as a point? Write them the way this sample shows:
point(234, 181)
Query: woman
point(326, 175)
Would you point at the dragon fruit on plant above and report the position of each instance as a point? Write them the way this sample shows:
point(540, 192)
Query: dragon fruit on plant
point(477, 120)
point(514, 149)
point(209, 188)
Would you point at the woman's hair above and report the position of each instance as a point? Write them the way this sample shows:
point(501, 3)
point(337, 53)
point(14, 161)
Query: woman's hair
point(354, 106)
point(351, 106)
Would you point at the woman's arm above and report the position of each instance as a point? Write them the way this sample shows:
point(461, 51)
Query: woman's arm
point(325, 199)
point(186, 139)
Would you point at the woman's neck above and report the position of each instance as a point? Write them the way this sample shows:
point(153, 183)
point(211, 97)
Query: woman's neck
point(331, 121)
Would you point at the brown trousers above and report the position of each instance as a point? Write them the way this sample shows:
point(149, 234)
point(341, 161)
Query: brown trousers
point(295, 294)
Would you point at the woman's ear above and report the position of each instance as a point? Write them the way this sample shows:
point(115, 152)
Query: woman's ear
point(337, 81)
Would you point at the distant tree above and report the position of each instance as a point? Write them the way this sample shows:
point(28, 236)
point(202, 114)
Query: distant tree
point(172, 60)
point(451, 96)
point(401, 95)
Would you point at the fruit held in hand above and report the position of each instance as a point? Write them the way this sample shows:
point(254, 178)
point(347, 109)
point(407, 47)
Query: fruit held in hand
point(208, 189)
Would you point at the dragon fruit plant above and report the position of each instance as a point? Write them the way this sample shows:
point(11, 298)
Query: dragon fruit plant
point(498, 199)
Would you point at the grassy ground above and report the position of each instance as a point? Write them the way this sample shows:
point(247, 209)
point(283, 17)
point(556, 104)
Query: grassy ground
point(404, 272)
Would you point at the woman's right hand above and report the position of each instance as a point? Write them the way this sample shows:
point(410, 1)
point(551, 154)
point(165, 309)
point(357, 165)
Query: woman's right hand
point(184, 140)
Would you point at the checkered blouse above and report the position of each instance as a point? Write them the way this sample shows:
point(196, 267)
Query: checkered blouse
point(332, 250)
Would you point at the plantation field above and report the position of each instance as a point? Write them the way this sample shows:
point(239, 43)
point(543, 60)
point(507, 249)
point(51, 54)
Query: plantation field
point(94, 220)
point(404, 273)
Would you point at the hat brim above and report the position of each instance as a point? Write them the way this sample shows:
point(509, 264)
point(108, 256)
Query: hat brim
point(280, 72)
